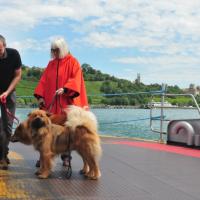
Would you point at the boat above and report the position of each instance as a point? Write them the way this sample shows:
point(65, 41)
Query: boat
point(157, 104)
point(131, 168)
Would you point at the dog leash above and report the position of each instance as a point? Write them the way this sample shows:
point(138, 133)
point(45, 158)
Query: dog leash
point(51, 104)
point(9, 114)
point(69, 168)
point(56, 96)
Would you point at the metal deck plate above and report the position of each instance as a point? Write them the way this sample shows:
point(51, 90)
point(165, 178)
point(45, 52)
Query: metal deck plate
point(128, 172)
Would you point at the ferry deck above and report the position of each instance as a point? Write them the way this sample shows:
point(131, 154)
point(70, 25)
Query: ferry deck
point(131, 170)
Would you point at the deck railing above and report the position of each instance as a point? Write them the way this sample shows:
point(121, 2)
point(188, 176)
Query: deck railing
point(162, 107)
point(162, 93)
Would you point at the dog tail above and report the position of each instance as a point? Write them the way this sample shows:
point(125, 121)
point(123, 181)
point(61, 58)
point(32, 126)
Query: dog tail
point(77, 116)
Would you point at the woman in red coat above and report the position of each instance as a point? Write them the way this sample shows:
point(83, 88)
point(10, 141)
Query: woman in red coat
point(62, 82)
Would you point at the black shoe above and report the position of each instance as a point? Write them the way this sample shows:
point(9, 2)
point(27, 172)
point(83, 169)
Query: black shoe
point(66, 162)
point(37, 163)
point(3, 165)
point(66, 158)
point(7, 160)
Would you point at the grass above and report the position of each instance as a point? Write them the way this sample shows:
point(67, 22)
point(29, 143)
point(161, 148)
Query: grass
point(93, 88)
point(26, 88)
point(179, 100)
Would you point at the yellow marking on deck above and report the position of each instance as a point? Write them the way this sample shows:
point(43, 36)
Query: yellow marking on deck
point(9, 187)
point(10, 191)
point(14, 155)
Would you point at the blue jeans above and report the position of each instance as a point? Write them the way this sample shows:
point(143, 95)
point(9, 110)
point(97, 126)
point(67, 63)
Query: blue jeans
point(6, 124)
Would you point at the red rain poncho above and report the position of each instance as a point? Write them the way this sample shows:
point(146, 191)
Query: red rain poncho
point(62, 73)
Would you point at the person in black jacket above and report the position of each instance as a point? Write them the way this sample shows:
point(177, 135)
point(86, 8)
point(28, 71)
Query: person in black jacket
point(10, 75)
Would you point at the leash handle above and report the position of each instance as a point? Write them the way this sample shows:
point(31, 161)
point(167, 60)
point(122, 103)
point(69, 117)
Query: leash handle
point(3, 100)
point(51, 104)
point(56, 96)
point(13, 117)
point(9, 114)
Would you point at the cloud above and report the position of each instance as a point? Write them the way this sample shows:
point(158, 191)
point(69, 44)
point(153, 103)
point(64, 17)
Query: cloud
point(175, 76)
point(30, 44)
point(160, 34)
point(159, 60)
point(27, 15)
point(144, 25)
point(173, 70)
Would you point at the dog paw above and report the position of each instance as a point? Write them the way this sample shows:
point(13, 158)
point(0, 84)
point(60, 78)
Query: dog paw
point(43, 176)
point(92, 176)
point(37, 173)
point(82, 171)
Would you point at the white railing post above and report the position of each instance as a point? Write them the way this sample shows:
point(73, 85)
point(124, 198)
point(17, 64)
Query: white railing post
point(162, 112)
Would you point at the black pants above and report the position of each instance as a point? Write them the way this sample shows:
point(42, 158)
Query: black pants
point(6, 124)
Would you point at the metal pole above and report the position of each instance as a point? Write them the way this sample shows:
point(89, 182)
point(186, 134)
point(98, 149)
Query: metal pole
point(162, 112)
point(151, 111)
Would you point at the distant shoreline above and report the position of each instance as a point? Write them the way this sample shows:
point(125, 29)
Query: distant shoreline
point(135, 107)
point(116, 107)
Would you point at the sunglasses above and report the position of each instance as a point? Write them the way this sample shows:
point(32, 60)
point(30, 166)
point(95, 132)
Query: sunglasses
point(55, 50)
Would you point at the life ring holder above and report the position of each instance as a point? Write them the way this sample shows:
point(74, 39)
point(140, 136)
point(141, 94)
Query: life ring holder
point(188, 129)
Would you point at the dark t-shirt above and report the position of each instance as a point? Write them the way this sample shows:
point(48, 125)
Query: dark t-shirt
point(8, 65)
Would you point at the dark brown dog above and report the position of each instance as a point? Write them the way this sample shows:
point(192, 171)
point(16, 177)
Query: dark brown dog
point(79, 133)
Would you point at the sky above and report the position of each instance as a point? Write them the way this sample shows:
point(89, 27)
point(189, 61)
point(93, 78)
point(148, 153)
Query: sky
point(158, 39)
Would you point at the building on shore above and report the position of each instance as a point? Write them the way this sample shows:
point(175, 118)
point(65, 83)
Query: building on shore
point(195, 90)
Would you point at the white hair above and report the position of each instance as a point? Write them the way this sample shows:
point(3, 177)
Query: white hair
point(60, 44)
point(3, 40)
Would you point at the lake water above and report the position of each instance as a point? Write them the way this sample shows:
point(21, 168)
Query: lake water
point(132, 122)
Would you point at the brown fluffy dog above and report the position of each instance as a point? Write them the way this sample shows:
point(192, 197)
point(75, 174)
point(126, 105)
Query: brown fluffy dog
point(79, 133)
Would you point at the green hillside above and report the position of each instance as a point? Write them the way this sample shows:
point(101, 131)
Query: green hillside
point(99, 83)
point(26, 88)
point(93, 88)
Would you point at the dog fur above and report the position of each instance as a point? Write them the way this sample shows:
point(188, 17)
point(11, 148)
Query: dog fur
point(23, 132)
point(78, 133)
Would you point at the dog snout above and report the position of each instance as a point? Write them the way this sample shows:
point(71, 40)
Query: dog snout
point(37, 119)
point(13, 138)
point(37, 123)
